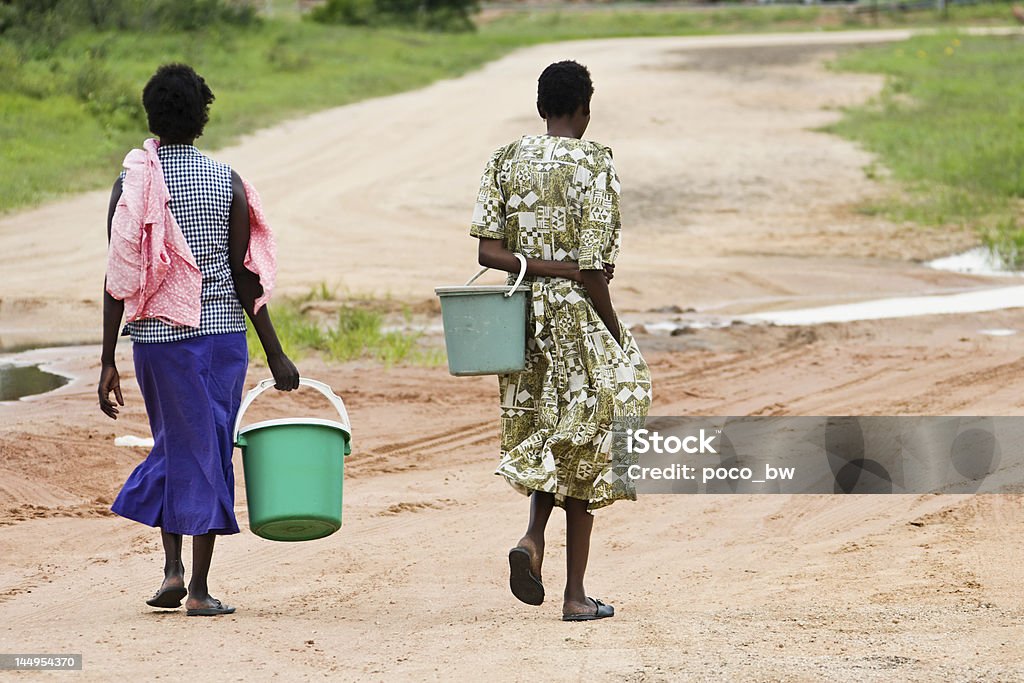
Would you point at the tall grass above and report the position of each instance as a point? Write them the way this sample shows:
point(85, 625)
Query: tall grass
point(948, 125)
point(353, 333)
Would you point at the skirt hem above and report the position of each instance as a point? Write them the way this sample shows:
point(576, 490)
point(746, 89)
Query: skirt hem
point(222, 531)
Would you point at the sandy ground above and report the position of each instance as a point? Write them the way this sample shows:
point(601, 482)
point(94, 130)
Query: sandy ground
point(732, 203)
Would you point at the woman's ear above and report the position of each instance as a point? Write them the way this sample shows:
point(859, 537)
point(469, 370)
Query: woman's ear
point(541, 112)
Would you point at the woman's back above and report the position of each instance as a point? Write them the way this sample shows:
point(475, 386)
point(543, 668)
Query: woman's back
point(201, 195)
point(551, 198)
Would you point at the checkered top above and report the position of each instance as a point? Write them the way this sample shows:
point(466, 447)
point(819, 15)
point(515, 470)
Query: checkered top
point(201, 193)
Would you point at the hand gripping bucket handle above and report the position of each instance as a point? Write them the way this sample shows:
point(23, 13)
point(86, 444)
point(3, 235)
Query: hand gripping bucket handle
point(519, 280)
point(335, 400)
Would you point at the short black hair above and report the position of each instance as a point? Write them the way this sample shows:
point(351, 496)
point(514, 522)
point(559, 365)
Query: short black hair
point(177, 102)
point(563, 88)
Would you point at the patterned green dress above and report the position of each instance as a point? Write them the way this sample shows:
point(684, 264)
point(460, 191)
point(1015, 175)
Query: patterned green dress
point(557, 198)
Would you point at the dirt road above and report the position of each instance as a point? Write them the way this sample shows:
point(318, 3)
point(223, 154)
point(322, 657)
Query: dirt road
point(732, 203)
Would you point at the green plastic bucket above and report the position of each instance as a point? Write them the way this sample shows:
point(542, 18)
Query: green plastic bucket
point(485, 326)
point(294, 469)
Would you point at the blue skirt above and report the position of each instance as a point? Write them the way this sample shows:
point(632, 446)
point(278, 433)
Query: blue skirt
point(192, 389)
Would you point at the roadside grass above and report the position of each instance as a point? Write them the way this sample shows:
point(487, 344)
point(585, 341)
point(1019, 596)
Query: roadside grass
point(554, 25)
point(606, 21)
point(70, 111)
point(343, 332)
point(948, 126)
point(55, 143)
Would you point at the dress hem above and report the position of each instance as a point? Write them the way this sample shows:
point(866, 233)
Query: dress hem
point(221, 531)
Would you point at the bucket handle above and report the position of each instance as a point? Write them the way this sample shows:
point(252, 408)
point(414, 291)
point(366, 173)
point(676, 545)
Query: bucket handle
point(335, 400)
point(519, 280)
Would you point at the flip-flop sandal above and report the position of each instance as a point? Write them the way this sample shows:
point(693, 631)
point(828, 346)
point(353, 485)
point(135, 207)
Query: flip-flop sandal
point(603, 611)
point(521, 580)
point(168, 598)
point(216, 610)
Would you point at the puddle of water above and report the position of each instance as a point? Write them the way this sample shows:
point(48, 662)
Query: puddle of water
point(976, 301)
point(901, 307)
point(670, 326)
point(17, 381)
point(977, 261)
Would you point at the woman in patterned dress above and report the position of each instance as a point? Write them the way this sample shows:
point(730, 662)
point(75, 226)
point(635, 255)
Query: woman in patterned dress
point(191, 377)
point(554, 198)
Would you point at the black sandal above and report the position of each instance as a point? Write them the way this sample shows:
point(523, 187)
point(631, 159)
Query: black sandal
point(525, 586)
point(168, 598)
point(602, 611)
point(215, 611)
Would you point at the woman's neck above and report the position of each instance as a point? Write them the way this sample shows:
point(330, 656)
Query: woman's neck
point(561, 131)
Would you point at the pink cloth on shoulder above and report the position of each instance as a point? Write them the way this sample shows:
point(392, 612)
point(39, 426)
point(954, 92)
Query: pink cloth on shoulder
point(261, 256)
point(149, 264)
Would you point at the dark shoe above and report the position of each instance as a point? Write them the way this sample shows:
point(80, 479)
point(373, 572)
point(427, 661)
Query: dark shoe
point(168, 598)
point(521, 580)
point(601, 611)
point(214, 611)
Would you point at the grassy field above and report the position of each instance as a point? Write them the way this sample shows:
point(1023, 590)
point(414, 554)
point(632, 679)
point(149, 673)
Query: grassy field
point(68, 118)
point(608, 22)
point(948, 125)
point(69, 111)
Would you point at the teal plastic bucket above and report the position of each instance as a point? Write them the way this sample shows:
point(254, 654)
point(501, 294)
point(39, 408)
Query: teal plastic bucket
point(485, 326)
point(294, 470)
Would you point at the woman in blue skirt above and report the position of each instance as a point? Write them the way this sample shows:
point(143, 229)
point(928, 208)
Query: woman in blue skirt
point(187, 326)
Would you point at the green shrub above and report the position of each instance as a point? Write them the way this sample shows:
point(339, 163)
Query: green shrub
point(8, 17)
point(349, 12)
point(38, 35)
point(192, 15)
point(113, 101)
point(34, 21)
point(433, 15)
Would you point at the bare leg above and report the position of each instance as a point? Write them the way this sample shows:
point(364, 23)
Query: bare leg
point(579, 524)
point(174, 570)
point(524, 561)
point(202, 555)
point(172, 590)
point(541, 505)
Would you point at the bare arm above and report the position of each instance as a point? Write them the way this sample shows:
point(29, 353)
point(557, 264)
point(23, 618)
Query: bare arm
point(113, 312)
point(493, 254)
point(247, 286)
point(596, 284)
